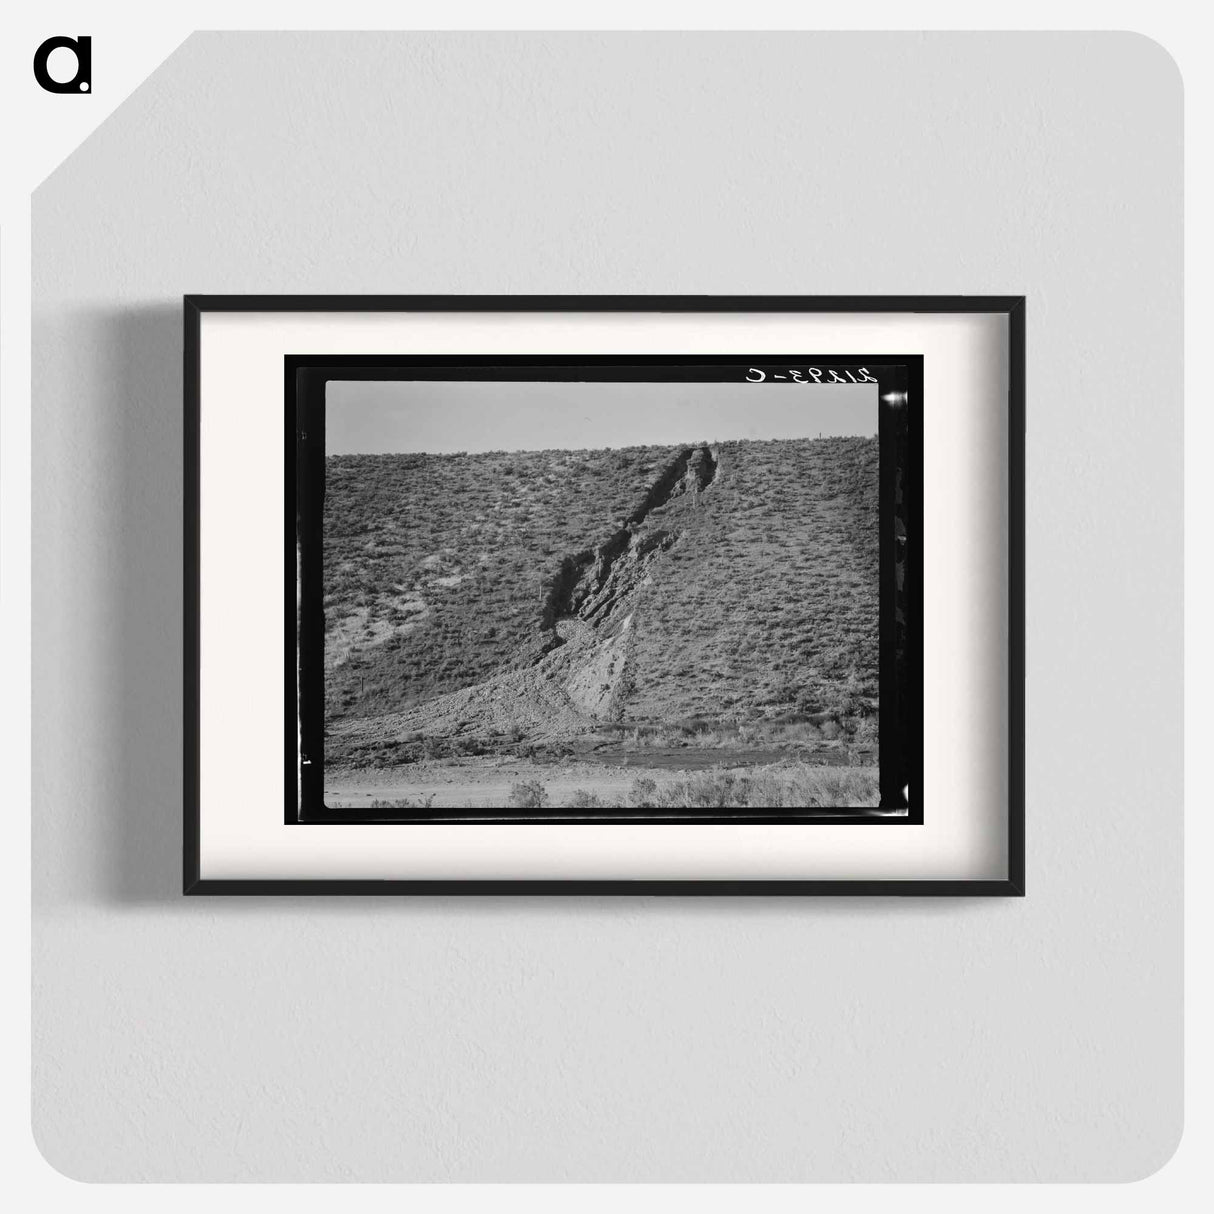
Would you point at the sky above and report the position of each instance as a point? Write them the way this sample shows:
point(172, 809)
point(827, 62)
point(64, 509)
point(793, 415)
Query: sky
point(370, 417)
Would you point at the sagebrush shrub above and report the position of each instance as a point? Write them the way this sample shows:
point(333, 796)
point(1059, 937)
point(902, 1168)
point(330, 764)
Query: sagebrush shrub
point(528, 794)
point(581, 799)
point(643, 794)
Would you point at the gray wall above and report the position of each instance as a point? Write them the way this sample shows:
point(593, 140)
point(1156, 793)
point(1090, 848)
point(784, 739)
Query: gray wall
point(630, 1039)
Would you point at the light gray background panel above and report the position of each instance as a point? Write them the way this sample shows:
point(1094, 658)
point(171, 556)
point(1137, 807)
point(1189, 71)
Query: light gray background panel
point(626, 1039)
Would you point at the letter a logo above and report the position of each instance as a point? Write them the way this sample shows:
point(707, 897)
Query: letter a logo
point(82, 81)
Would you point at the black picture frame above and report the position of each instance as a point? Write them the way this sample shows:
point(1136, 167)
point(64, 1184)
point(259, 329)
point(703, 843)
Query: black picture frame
point(303, 371)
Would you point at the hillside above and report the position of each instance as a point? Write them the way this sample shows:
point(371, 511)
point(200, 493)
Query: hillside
point(508, 599)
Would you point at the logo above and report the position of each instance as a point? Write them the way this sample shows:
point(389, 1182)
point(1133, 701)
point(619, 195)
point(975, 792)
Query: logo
point(82, 81)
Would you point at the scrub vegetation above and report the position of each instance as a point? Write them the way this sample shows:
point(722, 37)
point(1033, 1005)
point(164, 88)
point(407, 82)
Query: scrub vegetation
point(707, 610)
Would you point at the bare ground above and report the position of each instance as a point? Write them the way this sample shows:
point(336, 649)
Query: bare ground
point(493, 783)
point(480, 783)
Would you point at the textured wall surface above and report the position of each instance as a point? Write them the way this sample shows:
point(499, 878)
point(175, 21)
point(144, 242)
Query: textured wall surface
point(629, 1039)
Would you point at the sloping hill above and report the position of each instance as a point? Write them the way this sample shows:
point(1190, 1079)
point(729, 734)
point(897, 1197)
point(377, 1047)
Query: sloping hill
point(487, 601)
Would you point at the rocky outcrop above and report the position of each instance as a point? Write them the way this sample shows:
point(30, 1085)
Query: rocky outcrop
point(592, 584)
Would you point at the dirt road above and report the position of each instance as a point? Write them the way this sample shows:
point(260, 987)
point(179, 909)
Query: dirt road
point(481, 783)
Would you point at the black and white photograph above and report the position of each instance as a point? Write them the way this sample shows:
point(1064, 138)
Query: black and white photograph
point(642, 598)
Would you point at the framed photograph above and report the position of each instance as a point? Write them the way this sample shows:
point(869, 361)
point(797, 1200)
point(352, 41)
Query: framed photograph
point(604, 595)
